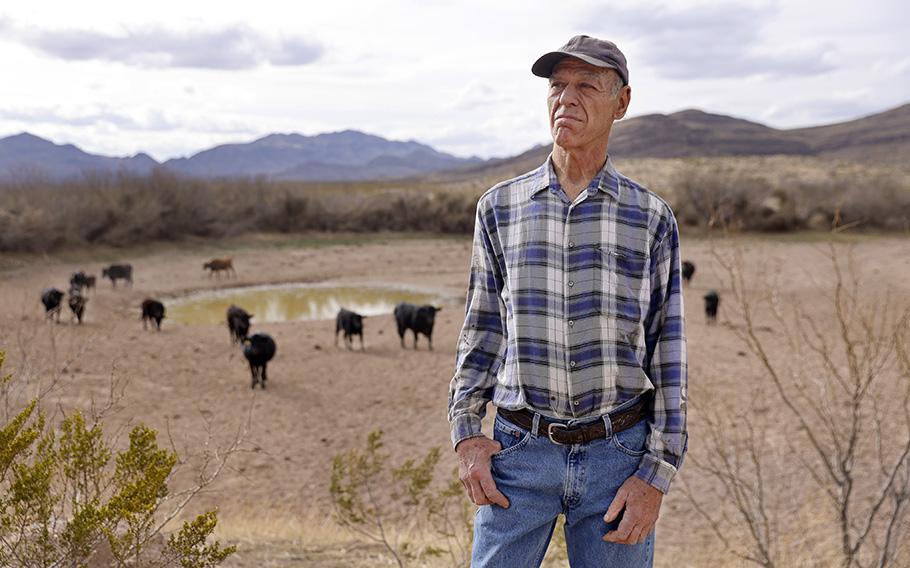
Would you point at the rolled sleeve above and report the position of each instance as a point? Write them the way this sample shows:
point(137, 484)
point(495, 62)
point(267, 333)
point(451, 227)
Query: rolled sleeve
point(481, 345)
point(667, 367)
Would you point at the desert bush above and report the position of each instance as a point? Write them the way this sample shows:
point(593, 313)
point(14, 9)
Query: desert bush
point(124, 209)
point(67, 499)
point(404, 507)
point(709, 194)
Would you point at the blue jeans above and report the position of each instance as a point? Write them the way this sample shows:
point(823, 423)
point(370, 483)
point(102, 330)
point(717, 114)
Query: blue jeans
point(542, 480)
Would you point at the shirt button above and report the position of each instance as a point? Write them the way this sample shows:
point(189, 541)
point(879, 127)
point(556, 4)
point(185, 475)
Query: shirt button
point(571, 323)
point(571, 283)
point(575, 403)
point(572, 364)
point(571, 244)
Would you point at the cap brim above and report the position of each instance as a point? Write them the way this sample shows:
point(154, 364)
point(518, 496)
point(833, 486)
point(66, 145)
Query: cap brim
point(543, 67)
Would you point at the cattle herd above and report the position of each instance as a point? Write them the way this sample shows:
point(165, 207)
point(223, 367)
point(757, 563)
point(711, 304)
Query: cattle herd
point(260, 348)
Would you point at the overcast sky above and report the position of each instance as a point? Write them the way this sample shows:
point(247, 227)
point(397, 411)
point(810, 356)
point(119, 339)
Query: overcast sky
point(172, 78)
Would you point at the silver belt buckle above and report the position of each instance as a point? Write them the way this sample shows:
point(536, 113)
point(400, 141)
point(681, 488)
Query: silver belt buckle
point(550, 432)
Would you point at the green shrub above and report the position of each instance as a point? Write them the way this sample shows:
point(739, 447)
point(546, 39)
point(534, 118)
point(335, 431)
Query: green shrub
point(68, 500)
point(402, 507)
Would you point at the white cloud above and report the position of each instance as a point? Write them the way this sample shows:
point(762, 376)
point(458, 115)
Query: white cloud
point(232, 47)
point(706, 41)
point(453, 74)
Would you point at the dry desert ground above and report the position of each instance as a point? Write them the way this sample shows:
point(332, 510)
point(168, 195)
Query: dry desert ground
point(273, 498)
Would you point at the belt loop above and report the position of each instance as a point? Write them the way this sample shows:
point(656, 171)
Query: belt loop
point(535, 424)
point(608, 426)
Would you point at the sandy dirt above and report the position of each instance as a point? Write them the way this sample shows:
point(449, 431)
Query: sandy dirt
point(322, 400)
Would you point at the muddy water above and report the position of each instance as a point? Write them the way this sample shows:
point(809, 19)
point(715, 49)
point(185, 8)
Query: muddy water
point(271, 304)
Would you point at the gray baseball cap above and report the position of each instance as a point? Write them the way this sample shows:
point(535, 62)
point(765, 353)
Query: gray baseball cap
point(599, 52)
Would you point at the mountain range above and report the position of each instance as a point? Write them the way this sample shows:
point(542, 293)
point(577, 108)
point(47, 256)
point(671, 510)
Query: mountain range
point(354, 155)
point(882, 139)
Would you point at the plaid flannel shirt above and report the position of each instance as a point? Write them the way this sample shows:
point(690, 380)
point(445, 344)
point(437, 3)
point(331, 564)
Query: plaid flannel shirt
point(574, 309)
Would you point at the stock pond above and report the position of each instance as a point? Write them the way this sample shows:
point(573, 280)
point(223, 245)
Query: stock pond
point(293, 302)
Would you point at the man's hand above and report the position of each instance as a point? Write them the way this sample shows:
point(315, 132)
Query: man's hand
point(642, 503)
point(474, 471)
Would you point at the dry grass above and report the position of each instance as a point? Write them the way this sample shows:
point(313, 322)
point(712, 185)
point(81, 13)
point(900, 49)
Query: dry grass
point(762, 193)
point(123, 210)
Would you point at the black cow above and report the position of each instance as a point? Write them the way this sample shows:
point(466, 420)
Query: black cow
point(688, 270)
point(77, 303)
point(152, 310)
point(712, 301)
point(118, 272)
point(259, 349)
point(238, 321)
point(352, 324)
point(51, 298)
point(418, 319)
point(78, 281)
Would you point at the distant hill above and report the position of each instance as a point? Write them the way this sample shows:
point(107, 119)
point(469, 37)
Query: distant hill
point(346, 155)
point(336, 156)
point(27, 156)
point(882, 139)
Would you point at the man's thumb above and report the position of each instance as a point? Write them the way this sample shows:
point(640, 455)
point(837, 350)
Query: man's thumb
point(615, 506)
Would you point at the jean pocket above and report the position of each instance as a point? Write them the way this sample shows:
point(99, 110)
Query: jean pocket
point(632, 441)
point(512, 438)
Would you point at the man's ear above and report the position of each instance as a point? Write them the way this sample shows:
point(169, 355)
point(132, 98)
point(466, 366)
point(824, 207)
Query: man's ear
point(625, 97)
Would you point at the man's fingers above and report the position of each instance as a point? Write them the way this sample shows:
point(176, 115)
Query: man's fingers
point(492, 493)
point(477, 494)
point(615, 506)
point(474, 470)
point(621, 534)
point(638, 534)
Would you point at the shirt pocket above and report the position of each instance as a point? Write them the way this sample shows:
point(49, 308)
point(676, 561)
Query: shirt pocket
point(620, 285)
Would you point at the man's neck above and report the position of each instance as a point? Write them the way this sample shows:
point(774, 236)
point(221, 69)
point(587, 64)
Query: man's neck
point(575, 167)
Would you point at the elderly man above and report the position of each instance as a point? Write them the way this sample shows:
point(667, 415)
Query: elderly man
point(574, 330)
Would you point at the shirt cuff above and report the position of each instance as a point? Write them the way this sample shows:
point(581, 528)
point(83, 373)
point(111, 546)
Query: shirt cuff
point(656, 472)
point(465, 426)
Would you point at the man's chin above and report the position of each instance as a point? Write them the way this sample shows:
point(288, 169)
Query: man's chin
point(566, 140)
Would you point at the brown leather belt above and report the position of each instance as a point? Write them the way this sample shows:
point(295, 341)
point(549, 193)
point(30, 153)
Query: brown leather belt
point(559, 433)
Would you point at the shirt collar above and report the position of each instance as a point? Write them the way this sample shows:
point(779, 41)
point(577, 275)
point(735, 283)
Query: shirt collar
point(606, 180)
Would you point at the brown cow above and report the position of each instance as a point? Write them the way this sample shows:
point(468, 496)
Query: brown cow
point(216, 265)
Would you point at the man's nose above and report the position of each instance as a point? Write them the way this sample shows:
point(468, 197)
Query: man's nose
point(568, 96)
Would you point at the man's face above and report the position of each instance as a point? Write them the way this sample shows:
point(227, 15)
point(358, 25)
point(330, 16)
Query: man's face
point(581, 103)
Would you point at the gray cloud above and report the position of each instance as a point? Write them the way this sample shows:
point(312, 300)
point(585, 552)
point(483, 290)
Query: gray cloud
point(707, 41)
point(231, 48)
point(155, 121)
